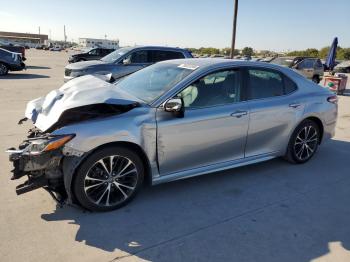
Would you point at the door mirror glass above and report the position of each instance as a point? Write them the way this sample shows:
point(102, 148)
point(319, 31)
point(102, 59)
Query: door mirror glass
point(175, 105)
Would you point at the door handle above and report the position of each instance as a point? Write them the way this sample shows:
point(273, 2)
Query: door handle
point(239, 113)
point(294, 105)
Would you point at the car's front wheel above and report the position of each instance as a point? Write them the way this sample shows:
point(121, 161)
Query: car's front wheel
point(303, 143)
point(3, 69)
point(108, 179)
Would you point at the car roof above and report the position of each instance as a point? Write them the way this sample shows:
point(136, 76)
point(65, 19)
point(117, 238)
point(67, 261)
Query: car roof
point(206, 63)
point(158, 48)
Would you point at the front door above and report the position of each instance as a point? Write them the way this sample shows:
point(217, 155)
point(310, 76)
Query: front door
point(132, 63)
point(213, 129)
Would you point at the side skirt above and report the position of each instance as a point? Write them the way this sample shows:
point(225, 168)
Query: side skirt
point(213, 168)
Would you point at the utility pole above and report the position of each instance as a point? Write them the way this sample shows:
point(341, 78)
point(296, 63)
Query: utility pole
point(64, 34)
point(234, 29)
point(39, 30)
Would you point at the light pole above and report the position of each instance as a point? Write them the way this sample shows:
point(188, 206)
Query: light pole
point(234, 29)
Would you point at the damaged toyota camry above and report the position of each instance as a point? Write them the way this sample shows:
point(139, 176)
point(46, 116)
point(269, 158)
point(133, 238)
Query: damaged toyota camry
point(95, 143)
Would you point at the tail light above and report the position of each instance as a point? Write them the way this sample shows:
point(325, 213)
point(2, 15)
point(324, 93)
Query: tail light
point(332, 99)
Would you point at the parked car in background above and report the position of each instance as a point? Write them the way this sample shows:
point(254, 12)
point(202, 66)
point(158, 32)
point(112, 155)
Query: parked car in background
point(56, 48)
point(90, 54)
point(95, 143)
point(310, 67)
point(15, 49)
point(343, 67)
point(10, 61)
point(124, 61)
point(267, 59)
point(40, 47)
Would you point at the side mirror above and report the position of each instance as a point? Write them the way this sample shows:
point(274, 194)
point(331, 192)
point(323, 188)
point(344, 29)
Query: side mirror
point(176, 106)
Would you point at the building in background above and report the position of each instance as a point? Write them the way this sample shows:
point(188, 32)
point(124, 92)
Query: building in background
point(93, 42)
point(24, 39)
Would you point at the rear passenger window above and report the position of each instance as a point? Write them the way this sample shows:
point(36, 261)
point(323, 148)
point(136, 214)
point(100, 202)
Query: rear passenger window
point(289, 86)
point(305, 64)
point(165, 55)
point(264, 83)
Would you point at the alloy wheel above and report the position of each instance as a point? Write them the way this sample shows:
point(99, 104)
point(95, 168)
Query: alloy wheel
point(111, 180)
point(306, 142)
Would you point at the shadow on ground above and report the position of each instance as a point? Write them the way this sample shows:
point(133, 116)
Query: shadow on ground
point(271, 211)
point(23, 76)
point(38, 67)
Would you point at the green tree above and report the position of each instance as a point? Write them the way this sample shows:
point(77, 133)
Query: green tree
point(247, 51)
point(346, 53)
point(227, 51)
point(323, 52)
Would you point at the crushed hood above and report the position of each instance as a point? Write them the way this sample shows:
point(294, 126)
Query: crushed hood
point(88, 93)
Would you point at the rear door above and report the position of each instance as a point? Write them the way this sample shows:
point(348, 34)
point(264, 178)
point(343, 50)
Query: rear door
point(274, 107)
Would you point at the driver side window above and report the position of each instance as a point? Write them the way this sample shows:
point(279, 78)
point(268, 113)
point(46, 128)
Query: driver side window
point(214, 89)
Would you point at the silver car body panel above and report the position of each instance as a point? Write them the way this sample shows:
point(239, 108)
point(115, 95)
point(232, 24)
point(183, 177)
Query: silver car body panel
point(210, 139)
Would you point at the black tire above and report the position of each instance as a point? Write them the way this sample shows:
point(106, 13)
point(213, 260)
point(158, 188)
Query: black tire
point(316, 79)
point(3, 69)
point(90, 179)
point(297, 142)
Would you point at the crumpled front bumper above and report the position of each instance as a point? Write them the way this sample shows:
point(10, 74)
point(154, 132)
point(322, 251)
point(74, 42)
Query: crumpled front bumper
point(43, 170)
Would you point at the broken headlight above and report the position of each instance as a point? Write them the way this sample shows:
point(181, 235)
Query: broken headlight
point(46, 144)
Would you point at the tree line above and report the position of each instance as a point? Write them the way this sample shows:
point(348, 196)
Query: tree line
point(342, 53)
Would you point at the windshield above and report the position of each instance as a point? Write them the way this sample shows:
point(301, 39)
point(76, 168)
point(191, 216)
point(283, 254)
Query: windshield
point(110, 58)
point(284, 61)
point(153, 81)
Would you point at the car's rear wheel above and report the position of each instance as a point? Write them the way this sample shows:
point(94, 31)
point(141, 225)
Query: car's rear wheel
point(3, 69)
point(108, 179)
point(303, 143)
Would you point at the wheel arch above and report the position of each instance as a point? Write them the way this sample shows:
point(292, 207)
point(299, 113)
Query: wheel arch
point(319, 124)
point(315, 119)
point(71, 166)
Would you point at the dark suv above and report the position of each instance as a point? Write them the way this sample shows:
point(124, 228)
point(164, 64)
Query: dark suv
point(310, 67)
point(10, 61)
point(91, 54)
point(124, 61)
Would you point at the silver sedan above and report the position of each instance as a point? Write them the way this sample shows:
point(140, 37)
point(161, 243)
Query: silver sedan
point(95, 143)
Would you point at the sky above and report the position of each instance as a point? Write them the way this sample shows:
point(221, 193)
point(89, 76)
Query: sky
point(278, 25)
